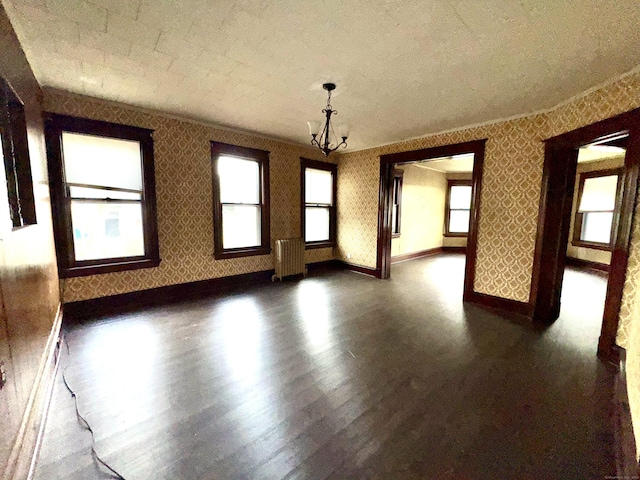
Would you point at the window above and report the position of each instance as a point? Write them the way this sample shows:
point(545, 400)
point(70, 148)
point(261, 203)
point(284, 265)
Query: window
point(15, 157)
point(397, 203)
point(318, 205)
point(102, 195)
point(240, 201)
point(458, 207)
point(597, 209)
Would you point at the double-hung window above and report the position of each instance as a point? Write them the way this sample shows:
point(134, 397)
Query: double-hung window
point(458, 208)
point(240, 201)
point(318, 181)
point(397, 203)
point(598, 205)
point(103, 195)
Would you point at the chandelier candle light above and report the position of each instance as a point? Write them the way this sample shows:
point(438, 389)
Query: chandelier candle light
point(324, 141)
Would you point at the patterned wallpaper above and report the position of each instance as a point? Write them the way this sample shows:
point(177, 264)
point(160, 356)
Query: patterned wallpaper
point(615, 98)
point(508, 211)
point(183, 186)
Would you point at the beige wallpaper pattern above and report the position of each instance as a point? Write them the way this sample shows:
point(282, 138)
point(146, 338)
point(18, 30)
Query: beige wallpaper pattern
point(508, 210)
point(183, 186)
point(422, 214)
point(510, 192)
point(615, 98)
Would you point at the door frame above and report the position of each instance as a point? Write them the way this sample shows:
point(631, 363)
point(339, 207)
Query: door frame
point(388, 162)
point(558, 180)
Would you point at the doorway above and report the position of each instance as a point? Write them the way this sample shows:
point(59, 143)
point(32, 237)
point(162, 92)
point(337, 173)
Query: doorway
point(554, 221)
point(387, 221)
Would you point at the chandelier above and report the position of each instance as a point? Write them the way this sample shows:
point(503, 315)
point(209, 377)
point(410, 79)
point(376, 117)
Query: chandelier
point(327, 140)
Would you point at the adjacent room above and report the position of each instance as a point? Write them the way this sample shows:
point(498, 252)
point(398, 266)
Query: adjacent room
point(267, 240)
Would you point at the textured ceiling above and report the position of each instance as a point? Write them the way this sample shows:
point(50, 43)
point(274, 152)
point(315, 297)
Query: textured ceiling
point(404, 68)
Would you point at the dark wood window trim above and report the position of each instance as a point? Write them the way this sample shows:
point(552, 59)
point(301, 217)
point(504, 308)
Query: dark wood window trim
point(329, 167)
point(396, 200)
point(15, 151)
point(447, 209)
point(262, 157)
point(579, 216)
point(68, 266)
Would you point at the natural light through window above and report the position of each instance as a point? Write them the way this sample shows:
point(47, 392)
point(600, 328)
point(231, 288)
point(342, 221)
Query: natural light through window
point(319, 208)
point(597, 206)
point(104, 180)
point(240, 199)
point(459, 208)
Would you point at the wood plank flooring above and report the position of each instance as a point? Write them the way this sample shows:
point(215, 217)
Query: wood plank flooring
point(339, 376)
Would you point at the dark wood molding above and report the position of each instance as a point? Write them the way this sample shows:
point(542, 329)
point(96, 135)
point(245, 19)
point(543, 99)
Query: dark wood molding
point(579, 216)
point(262, 158)
point(624, 440)
point(396, 194)
point(503, 305)
point(389, 161)
point(55, 125)
point(580, 263)
point(422, 253)
point(96, 307)
point(454, 249)
point(333, 214)
point(553, 221)
point(374, 272)
point(15, 152)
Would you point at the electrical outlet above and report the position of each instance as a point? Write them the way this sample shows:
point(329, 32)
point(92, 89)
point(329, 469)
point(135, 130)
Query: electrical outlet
point(3, 375)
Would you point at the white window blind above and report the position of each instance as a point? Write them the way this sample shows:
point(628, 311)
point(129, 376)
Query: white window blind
point(599, 194)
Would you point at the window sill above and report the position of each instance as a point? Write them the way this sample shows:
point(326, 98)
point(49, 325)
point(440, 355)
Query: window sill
point(120, 266)
point(593, 245)
point(312, 245)
point(458, 235)
point(242, 252)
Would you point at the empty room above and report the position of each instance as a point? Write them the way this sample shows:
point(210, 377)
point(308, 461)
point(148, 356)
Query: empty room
point(324, 240)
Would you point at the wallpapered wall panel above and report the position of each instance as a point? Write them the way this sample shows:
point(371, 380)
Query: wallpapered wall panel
point(510, 192)
point(617, 97)
point(183, 186)
point(508, 211)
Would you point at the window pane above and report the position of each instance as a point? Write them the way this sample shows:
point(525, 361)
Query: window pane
point(599, 193)
point(460, 197)
point(240, 226)
point(318, 186)
point(316, 224)
point(459, 221)
point(239, 180)
point(107, 162)
point(84, 192)
point(107, 230)
point(596, 227)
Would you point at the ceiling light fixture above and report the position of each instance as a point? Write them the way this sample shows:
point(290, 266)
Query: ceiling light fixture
point(327, 141)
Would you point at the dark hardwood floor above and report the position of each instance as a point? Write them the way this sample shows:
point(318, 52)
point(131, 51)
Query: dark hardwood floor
point(339, 376)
